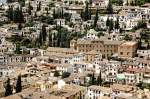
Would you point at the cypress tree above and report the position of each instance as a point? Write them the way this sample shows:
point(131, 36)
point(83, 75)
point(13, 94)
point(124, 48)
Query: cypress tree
point(39, 6)
point(18, 49)
point(50, 40)
point(107, 22)
point(90, 2)
point(46, 11)
point(82, 14)
point(139, 44)
point(54, 14)
point(111, 25)
point(18, 15)
point(44, 34)
point(9, 1)
point(10, 13)
point(84, 81)
point(59, 39)
point(117, 23)
point(35, 15)
point(54, 40)
point(40, 39)
point(18, 84)
point(120, 2)
point(110, 8)
point(99, 79)
point(56, 74)
point(135, 2)
point(8, 88)
point(127, 3)
point(21, 16)
point(22, 2)
point(86, 13)
point(148, 46)
point(96, 18)
point(132, 3)
point(30, 8)
point(93, 79)
point(19, 26)
point(15, 15)
point(62, 13)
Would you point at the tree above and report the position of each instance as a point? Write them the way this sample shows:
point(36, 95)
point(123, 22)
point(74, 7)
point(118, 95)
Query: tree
point(147, 1)
point(127, 3)
point(8, 88)
point(120, 2)
point(85, 81)
point(107, 22)
point(110, 8)
point(39, 6)
point(139, 44)
point(82, 14)
point(50, 39)
point(10, 13)
point(9, 1)
point(117, 23)
point(141, 24)
point(111, 25)
point(22, 3)
point(44, 33)
point(96, 18)
point(18, 84)
point(148, 46)
point(15, 15)
point(127, 38)
point(56, 74)
point(65, 74)
point(93, 79)
point(90, 2)
point(132, 3)
point(47, 19)
point(46, 11)
point(67, 16)
point(86, 12)
point(18, 49)
point(139, 2)
point(100, 34)
point(99, 79)
point(35, 15)
point(54, 14)
point(62, 39)
point(54, 40)
point(30, 8)
point(19, 26)
point(59, 38)
point(40, 40)
point(62, 13)
point(142, 85)
point(18, 15)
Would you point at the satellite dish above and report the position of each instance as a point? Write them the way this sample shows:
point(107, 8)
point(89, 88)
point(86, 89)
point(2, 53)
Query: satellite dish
point(61, 83)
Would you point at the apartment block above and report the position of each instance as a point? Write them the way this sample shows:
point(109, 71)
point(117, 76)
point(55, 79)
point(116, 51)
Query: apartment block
point(127, 49)
point(106, 47)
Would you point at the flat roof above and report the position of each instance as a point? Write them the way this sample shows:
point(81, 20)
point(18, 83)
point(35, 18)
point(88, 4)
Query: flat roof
point(129, 43)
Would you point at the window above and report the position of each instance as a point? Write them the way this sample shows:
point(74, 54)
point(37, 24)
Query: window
point(121, 53)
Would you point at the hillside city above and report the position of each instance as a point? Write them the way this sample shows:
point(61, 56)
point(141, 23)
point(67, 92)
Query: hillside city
point(75, 49)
